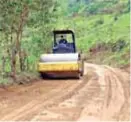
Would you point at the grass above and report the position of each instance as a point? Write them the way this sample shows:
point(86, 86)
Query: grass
point(5, 81)
point(102, 28)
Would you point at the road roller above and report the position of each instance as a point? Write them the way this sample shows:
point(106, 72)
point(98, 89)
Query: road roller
point(64, 61)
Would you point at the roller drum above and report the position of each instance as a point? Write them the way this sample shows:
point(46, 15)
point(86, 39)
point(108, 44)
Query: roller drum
point(59, 57)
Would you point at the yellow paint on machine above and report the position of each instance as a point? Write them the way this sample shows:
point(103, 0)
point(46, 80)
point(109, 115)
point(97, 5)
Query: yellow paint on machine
point(58, 66)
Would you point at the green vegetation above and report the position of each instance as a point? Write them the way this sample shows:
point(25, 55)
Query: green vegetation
point(97, 22)
point(98, 28)
point(26, 26)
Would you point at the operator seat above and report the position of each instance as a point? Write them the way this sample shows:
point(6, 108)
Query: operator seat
point(63, 41)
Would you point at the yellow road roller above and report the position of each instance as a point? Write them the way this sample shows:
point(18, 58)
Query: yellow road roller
point(64, 61)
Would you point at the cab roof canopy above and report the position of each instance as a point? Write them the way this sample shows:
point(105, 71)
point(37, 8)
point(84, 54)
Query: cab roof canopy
point(63, 32)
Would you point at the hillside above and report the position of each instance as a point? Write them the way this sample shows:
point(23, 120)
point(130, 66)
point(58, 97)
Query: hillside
point(100, 23)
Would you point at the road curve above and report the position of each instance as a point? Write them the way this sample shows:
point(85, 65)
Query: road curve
point(102, 94)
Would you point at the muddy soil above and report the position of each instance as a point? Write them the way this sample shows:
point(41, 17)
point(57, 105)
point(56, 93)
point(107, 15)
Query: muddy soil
point(102, 94)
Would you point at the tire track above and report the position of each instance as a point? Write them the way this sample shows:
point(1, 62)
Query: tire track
point(63, 95)
point(115, 97)
point(22, 110)
point(126, 91)
point(113, 106)
point(24, 97)
point(87, 90)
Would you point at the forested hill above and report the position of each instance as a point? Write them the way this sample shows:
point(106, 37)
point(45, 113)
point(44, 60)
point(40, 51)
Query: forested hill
point(26, 29)
point(99, 25)
point(88, 7)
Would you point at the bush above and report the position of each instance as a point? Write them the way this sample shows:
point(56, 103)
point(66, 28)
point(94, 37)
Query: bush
point(99, 22)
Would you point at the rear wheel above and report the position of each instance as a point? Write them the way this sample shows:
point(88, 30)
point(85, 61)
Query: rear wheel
point(43, 75)
point(81, 73)
point(82, 68)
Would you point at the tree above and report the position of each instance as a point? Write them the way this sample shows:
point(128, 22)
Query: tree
point(17, 15)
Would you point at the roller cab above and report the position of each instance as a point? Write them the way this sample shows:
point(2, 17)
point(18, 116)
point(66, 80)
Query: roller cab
point(64, 61)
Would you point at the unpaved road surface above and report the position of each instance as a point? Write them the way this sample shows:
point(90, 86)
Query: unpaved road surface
point(102, 94)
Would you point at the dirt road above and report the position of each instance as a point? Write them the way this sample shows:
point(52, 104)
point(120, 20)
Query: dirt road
point(102, 94)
